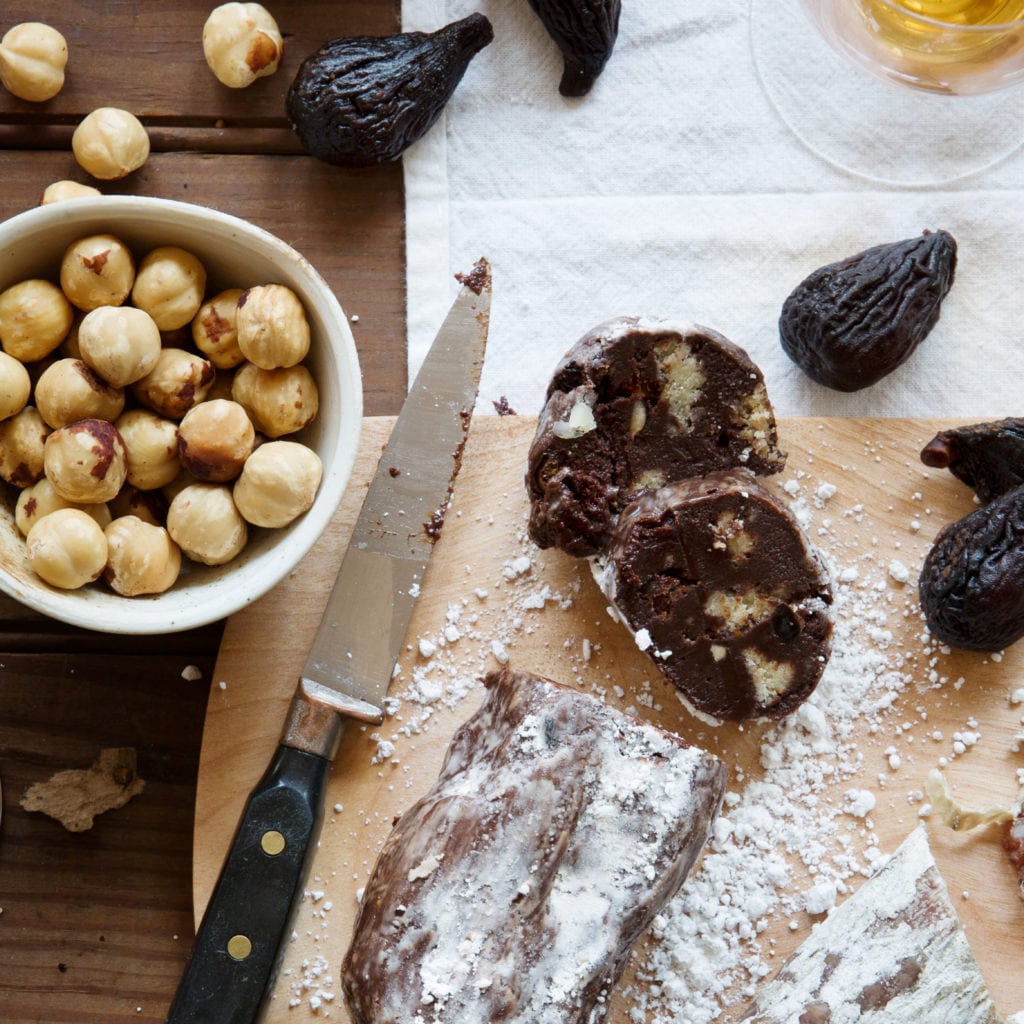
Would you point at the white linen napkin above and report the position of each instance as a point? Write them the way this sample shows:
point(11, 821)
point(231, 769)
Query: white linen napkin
point(674, 189)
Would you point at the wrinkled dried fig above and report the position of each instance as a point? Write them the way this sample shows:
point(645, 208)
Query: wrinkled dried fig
point(988, 457)
point(585, 32)
point(364, 100)
point(851, 323)
point(972, 583)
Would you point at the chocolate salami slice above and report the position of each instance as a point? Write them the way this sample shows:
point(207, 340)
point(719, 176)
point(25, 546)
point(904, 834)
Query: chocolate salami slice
point(635, 404)
point(515, 888)
point(720, 587)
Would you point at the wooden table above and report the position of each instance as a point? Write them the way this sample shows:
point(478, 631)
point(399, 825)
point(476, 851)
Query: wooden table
point(96, 926)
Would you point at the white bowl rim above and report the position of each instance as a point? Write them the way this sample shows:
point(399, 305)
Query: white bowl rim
point(108, 612)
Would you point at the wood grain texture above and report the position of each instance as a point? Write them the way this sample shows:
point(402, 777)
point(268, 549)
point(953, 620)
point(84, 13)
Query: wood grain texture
point(882, 492)
point(94, 927)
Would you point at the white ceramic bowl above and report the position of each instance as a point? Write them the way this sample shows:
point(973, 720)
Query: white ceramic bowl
point(235, 254)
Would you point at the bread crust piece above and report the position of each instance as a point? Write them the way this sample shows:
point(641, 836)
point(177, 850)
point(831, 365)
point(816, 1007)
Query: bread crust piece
point(719, 585)
point(516, 887)
point(635, 404)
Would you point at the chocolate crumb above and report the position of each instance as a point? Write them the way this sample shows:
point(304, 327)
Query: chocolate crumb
point(502, 408)
point(478, 278)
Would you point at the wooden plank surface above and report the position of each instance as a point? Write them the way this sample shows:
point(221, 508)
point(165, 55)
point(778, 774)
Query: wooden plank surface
point(96, 926)
point(485, 580)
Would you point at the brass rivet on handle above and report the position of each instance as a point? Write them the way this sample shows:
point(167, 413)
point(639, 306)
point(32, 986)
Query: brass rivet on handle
point(272, 842)
point(239, 947)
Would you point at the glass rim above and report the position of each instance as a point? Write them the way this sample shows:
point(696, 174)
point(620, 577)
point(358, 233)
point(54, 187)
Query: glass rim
point(949, 26)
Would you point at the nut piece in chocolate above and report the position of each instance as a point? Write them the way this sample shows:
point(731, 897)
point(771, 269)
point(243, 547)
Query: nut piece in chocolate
point(635, 404)
point(722, 590)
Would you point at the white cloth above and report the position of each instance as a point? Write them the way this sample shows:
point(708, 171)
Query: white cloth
point(675, 190)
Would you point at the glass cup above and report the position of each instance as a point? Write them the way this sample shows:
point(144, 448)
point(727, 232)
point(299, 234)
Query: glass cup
point(905, 92)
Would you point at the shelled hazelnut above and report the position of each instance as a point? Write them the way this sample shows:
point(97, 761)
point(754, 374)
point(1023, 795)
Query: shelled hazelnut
point(98, 270)
point(59, 191)
point(151, 442)
point(69, 390)
point(15, 386)
point(33, 57)
point(22, 440)
point(279, 482)
point(241, 42)
point(110, 143)
point(215, 329)
point(204, 522)
point(67, 548)
point(35, 317)
point(121, 343)
point(178, 381)
point(41, 499)
point(149, 506)
point(169, 285)
point(141, 557)
point(214, 440)
point(272, 328)
point(278, 402)
point(86, 461)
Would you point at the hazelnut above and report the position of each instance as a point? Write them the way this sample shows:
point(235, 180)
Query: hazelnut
point(277, 401)
point(98, 270)
point(214, 330)
point(278, 483)
point(86, 461)
point(35, 317)
point(169, 285)
point(41, 499)
point(59, 191)
point(110, 143)
point(272, 326)
point(121, 343)
point(69, 390)
point(67, 548)
point(32, 61)
point(205, 524)
point(241, 42)
point(214, 440)
point(15, 386)
point(149, 506)
point(152, 445)
point(179, 380)
point(22, 441)
point(141, 557)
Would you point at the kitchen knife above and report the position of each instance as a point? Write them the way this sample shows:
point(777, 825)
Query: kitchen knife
point(230, 974)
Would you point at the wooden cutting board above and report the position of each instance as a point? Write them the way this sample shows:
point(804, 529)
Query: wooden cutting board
point(489, 595)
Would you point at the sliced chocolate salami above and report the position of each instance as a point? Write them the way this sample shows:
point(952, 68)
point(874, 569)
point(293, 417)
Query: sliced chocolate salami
point(637, 403)
point(721, 588)
point(515, 888)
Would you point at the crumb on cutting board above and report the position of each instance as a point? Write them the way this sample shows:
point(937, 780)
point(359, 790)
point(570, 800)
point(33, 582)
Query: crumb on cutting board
point(74, 797)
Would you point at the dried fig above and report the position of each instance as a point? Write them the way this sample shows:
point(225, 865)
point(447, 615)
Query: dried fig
point(585, 32)
point(972, 582)
point(364, 100)
point(988, 457)
point(851, 323)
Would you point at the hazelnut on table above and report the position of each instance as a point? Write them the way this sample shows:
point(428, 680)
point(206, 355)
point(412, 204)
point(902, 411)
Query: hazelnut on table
point(151, 442)
point(98, 270)
point(169, 285)
point(278, 483)
point(22, 442)
point(141, 558)
point(59, 191)
point(241, 42)
point(214, 440)
point(278, 402)
point(70, 390)
point(33, 57)
point(110, 143)
point(272, 327)
point(15, 386)
point(86, 461)
point(35, 317)
point(204, 522)
point(40, 499)
point(215, 329)
point(121, 343)
point(178, 381)
point(67, 548)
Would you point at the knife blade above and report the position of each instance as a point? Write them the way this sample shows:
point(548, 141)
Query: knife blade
point(240, 941)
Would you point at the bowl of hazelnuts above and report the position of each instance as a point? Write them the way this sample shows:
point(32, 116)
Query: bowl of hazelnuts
point(180, 407)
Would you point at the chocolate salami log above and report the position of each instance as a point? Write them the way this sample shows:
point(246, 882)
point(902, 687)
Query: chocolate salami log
point(515, 888)
point(720, 587)
point(893, 953)
point(635, 404)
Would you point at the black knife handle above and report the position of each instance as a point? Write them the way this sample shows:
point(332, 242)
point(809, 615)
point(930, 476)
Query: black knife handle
point(241, 939)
